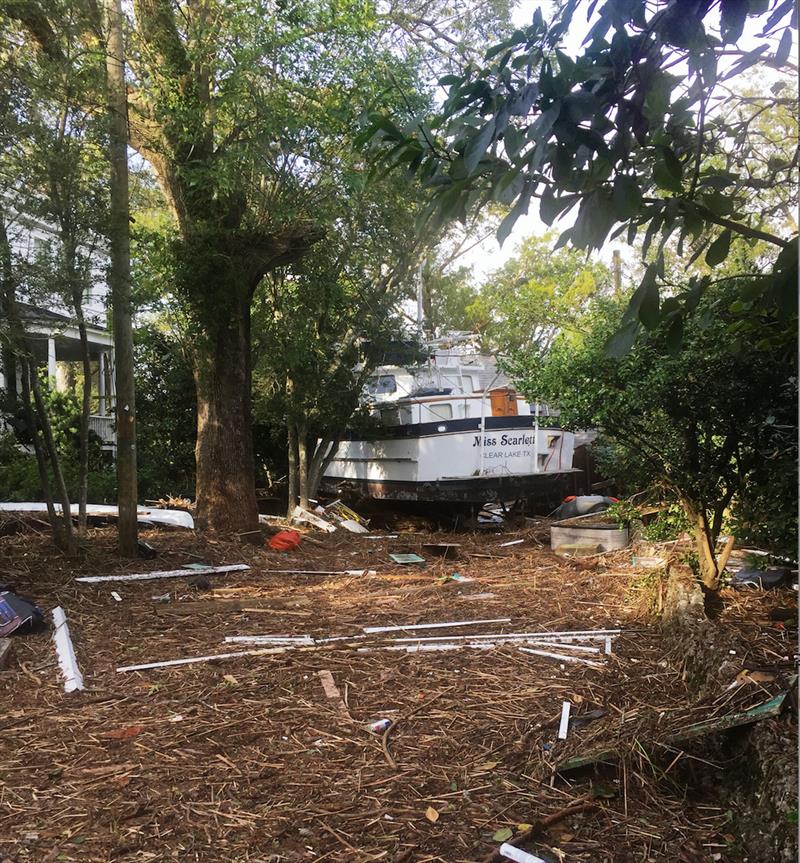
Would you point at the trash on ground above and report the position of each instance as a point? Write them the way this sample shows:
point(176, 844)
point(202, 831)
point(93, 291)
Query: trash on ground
point(511, 852)
point(304, 516)
point(561, 657)
point(583, 504)
point(355, 572)
point(457, 576)
point(511, 542)
point(167, 573)
point(765, 579)
point(563, 726)
point(285, 540)
point(342, 513)
point(382, 536)
point(648, 562)
point(115, 596)
point(162, 597)
point(378, 726)
point(447, 550)
point(73, 679)
point(405, 559)
point(18, 613)
point(352, 526)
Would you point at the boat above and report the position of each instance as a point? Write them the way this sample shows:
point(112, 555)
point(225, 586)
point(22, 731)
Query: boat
point(451, 428)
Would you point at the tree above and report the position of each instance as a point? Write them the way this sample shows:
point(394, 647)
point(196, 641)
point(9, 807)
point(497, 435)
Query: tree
point(643, 131)
point(710, 423)
point(322, 324)
point(522, 307)
point(227, 104)
point(120, 278)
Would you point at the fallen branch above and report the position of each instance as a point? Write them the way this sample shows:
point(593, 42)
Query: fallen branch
point(385, 738)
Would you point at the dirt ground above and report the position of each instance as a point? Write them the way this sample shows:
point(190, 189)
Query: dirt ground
point(247, 759)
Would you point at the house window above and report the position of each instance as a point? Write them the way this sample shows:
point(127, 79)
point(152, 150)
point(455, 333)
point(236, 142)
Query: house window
point(381, 385)
point(442, 411)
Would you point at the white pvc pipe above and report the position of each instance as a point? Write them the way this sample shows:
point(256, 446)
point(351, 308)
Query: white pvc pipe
point(73, 679)
point(518, 855)
point(561, 656)
point(521, 636)
point(444, 625)
point(189, 660)
point(167, 573)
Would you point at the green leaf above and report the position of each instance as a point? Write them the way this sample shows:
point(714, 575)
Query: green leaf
point(513, 139)
point(674, 337)
point(718, 250)
point(664, 178)
point(784, 48)
point(477, 146)
point(626, 197)
point(622, 341)
point(734, 13)
point(503, 834)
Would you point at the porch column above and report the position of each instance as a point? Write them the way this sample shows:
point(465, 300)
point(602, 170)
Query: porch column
point(101, 383)
point(51, 360)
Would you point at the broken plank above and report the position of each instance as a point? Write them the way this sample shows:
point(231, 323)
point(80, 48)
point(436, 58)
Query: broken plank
point(73, 679)
point(6, 650)
point(698, 729)
point(166, 573)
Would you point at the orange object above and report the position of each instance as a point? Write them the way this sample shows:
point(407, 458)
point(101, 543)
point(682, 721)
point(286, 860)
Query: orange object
point(285, 540)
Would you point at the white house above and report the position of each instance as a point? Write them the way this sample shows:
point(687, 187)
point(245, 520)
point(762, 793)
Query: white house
point(53, 331)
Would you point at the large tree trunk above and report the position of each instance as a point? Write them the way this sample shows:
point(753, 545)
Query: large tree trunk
point(226, 494)
point(120, 281)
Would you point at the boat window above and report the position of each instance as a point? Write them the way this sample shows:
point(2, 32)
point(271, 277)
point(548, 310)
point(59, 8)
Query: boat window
point(442, 411)
point(468, 383)
point(381, 384)
point(405, 416)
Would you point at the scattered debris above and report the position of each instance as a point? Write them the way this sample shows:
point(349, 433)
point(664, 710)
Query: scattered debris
point(303, 515)
point(332, 693)
point(167, 573)
point(564, 724)
point(18, 613)
point(562, 657)
point(354, 572)
point(457, 576)
point(511, 542)
point(352, 526)
point(378, 726)
point(73, 679)
point(584, 504)
point(115, 596)
point(122, 733)
point(577, 537)
point(382, 536)
point(285, 540)
point(765, 710)
point(765, 579)
point(192, 660)
point(405, 559)
point(163, 597)
point(648, 562)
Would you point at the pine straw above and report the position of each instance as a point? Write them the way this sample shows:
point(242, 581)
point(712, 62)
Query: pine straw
point(248, 760)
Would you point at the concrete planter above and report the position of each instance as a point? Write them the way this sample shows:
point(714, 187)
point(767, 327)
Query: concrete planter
point(603, 537)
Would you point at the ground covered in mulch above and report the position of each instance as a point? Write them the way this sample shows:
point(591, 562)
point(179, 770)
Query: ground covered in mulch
point(248, 759)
